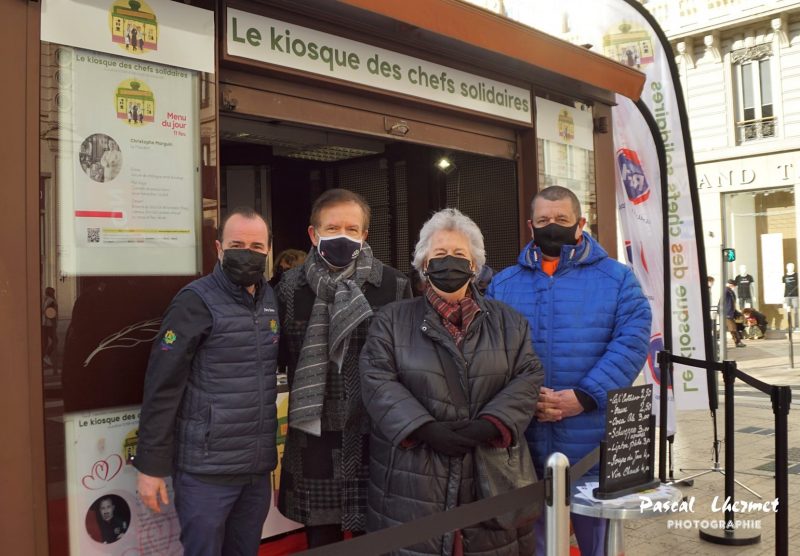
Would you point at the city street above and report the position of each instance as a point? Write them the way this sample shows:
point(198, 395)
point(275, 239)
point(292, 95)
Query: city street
point(766, 360)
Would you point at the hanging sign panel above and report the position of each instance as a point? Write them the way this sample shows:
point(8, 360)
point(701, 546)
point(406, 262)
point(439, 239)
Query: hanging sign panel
point(564, 124)
point(284, 44)
point(160, 31)
point(128, 171)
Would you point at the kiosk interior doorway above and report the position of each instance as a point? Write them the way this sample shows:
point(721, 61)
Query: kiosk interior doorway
point(280, 168)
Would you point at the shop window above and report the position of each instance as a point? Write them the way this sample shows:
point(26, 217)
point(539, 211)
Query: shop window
point(755, 117)
point(761, 226)
point(124, 224)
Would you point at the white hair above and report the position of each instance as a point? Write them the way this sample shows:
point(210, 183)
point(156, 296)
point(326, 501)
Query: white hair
point(452, 220)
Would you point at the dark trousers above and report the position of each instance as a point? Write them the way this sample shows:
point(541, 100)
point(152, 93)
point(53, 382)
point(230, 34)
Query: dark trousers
point(49, 340)
point(221, 520)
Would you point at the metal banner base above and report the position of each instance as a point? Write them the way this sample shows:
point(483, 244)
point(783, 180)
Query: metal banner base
point(716, 468)
point(730, 537)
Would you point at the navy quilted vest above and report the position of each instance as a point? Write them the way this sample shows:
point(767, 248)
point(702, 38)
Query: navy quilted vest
point(227, 420)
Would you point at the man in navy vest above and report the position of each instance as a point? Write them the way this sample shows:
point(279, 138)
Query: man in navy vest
point(209, 415)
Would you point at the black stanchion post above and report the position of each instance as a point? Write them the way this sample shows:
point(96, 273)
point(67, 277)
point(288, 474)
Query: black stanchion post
point(729, 535)
point(665, 374)
point(791, 343)
point(781, 402)
point(729, 376)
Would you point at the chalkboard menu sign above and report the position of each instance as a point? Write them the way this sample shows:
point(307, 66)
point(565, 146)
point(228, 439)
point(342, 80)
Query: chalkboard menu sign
point(627, 455)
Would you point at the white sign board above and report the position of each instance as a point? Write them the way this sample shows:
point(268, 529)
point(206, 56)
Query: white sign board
point(128, 172)
point(160, 31)
point(772, 268)
point(284, 44)
point(106, 516)
point(564, 124)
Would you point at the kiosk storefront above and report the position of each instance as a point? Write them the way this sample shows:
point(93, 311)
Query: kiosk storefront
point(140, 123)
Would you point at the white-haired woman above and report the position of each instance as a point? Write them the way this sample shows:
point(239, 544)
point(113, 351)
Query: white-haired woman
point(442, 374)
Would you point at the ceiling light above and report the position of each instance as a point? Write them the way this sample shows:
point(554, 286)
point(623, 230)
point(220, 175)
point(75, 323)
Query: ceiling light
point(445, 165)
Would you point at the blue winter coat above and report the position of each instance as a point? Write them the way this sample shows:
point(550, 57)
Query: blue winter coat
point(590, 326)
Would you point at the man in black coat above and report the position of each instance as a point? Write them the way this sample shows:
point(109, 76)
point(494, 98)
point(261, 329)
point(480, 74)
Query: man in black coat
point(731, 314)
point(209, 416)
point(326, 305)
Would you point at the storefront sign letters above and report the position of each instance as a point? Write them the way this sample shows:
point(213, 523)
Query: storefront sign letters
point(276, 42)
point(769, 171)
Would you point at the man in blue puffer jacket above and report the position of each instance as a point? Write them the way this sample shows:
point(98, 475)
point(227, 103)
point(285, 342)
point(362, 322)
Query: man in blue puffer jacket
point(590, 326)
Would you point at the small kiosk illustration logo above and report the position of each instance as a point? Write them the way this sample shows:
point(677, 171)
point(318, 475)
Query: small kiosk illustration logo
point(135, 103)
point(566, 126)
point(133, 26)
point(630, 46)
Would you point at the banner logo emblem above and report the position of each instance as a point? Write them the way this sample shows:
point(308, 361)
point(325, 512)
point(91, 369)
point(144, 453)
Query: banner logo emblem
point(630, 170)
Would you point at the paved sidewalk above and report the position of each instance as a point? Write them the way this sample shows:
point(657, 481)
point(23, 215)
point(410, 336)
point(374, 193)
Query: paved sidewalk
point(768, 361)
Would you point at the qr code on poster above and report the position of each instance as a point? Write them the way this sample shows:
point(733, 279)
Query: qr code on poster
point(93, 235)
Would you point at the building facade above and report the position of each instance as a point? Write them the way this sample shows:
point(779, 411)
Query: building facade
point(739, 64)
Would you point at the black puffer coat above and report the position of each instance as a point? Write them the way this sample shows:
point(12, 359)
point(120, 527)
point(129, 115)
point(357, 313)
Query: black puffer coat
point(404, 387)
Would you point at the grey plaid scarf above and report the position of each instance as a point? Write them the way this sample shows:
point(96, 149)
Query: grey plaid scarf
point(339, 308)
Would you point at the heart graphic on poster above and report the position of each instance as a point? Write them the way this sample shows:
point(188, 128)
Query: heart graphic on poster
point(103, 472)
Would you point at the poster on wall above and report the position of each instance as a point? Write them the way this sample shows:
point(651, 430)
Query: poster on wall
point(128, 171)
point(106, 516)
point(160, 31)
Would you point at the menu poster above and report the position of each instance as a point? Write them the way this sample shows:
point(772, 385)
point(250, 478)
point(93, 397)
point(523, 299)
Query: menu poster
point(128, 168)
point(106, 517)
point(627, 455)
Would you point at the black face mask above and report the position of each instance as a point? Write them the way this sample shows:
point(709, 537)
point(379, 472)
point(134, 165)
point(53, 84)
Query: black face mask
point(338, 251)
point(243, 266)
point(553, 237)
point(449, 274)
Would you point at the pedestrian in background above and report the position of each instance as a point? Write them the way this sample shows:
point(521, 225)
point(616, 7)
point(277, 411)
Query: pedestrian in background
point(285, 260)
point(756, 323)
point(732, 315)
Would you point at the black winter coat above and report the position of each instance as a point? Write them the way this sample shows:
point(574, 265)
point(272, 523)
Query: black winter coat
point(324, 479)
point(404, 387)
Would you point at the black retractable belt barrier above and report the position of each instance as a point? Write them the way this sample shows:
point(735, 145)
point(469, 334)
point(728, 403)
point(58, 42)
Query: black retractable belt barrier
point(424, 528)
point(781, 397)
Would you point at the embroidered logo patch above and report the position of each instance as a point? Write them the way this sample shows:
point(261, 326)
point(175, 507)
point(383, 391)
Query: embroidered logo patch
point(168, 339)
